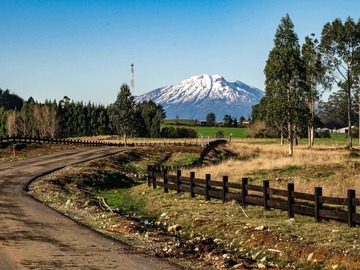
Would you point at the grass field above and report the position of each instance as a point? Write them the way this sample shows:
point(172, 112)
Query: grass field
point(239, 133)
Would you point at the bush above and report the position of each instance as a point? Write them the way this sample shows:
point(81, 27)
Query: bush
point(171, 132)
point(219, 134)
point(258, 129)
point(323, 134)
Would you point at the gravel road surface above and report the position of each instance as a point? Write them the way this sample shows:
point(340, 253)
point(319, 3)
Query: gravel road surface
point(34, 236)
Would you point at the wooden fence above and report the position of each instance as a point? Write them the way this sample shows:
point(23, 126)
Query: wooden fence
point(88, 143)
point(315, 205)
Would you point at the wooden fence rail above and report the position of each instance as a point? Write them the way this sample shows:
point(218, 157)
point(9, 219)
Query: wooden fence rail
point(315, 205)
point(88, 143)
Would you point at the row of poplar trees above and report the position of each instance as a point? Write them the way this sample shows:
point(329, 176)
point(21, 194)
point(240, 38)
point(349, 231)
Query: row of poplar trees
point(296, 76)
point(67, 118)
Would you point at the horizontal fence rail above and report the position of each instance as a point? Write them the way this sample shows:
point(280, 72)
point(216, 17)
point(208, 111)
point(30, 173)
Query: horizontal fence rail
point(88, 143)
point(315, 205)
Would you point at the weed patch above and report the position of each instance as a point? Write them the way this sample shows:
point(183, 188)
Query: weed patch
point(290, 168)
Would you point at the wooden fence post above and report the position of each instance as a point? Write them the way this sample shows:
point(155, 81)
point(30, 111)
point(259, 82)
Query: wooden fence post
point(153, 177)
point(318, 205)
point(266, 194)
point(149, 169)
point(225, 189)
point(291, 200)
point(178, 175)
point(351, 207)
point(244, 192)
point(192, 176)
point(166, 189)
point(207, 186)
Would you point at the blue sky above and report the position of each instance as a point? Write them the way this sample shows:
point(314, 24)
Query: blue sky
point(83, 49)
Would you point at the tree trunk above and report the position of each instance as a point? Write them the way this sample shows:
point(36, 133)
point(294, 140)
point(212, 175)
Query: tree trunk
point(312, 135)
point(291, 146)
point(282, 138)
point(349, 118)
point(290, 140)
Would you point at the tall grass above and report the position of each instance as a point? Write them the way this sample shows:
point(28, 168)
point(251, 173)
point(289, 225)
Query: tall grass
point(330, 168)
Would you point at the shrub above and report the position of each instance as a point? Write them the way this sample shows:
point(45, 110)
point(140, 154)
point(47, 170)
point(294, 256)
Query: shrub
point(171, 132)
point(323, 134)
point(258, 129)
point(219, 134)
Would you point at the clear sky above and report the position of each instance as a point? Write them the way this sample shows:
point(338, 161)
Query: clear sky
point(84, 49)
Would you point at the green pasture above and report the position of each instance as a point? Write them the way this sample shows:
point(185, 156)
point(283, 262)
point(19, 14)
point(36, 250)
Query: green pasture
point(238, 133)
point(337, 139)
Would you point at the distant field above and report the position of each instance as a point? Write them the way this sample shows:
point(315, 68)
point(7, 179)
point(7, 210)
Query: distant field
point(178, 122)
point(238, 133)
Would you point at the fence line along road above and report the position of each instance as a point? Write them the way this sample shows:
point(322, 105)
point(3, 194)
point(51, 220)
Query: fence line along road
point(88, 143)
point(315, 205)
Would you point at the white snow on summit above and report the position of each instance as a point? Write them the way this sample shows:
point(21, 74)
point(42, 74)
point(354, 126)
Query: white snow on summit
point(196, 96)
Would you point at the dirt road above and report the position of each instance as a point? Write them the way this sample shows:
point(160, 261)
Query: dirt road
point(33, 236)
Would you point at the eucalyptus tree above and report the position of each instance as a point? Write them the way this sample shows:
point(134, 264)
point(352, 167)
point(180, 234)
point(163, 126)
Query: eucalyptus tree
point(340, 44)
point(285, 96)
point(314, 77)
point(333, 112)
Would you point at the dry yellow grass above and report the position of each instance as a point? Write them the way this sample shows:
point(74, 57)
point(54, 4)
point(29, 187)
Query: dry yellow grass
point(256, 158)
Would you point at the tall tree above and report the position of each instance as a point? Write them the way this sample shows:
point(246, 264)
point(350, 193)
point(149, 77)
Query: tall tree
point(285, 97)
point(210, 119)
point(10, 101)
point(124, 113)
point(148, 119)
point(3, 120)
point(333, 112)
point(340, 44)
point(314, 77)
point(11, 127)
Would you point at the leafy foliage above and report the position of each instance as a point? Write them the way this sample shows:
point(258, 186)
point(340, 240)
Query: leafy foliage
point(10, 101)
point(286, 108)
point(179, 132)
point(210, 119)
point(340, 44)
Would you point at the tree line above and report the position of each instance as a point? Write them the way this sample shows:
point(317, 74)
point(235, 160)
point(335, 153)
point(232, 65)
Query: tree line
point(296, 76)
point(68, 118)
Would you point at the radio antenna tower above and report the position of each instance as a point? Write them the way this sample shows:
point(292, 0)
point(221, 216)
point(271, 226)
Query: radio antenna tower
point(132, 82)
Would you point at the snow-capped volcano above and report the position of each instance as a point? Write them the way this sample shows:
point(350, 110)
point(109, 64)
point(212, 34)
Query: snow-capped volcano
point(195, 97)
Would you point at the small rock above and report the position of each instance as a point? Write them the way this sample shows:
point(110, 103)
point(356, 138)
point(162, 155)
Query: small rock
point(255, 255)
point(226, 256)
point(311, 255)
point(263, 259)
point(261, 266)
point(174, 228)
point(68, 202)
point(217, 241)
point(260, 228)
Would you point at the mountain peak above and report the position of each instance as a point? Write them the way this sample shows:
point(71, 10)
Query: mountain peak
point(196, 96)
